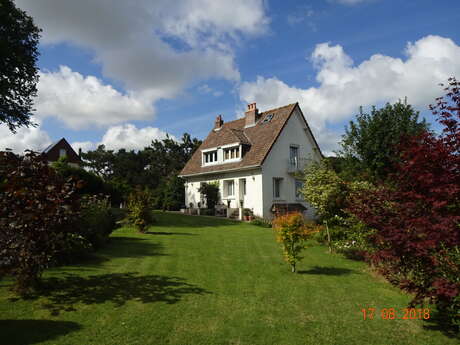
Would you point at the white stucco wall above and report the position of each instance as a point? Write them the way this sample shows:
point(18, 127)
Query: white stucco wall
point(277, 162)
point(252, 199)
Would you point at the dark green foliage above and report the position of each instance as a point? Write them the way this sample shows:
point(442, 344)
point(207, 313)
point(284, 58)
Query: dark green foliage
point(171, 194)
point(370, 144)
point(97, 221)
point(211, 194)
point(155, 167)
point(264, 223)
point(38, 210)
point(140, 212)
point(18, 65)
point(90, 183)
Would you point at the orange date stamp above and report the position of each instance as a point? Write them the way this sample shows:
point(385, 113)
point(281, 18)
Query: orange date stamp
point(396, 314)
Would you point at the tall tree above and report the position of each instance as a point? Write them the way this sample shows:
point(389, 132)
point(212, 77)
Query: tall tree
point(18, 65)
point(370, 143)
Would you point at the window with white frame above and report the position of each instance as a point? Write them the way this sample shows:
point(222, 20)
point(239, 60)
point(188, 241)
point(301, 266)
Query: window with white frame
point(298, 189)
point(277, 184)
point(229, 188)
point(209, 157)
point(232, 153)
point(243, 181)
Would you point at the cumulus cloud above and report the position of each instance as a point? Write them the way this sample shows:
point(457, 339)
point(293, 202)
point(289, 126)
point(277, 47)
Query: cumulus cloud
point(130, 137)
point(343, 87)
point(126, 136)
point(154, 48)
point(81, 102)
point(32, 138)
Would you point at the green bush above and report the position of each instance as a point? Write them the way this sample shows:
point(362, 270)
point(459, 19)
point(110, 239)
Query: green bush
point(265, 223)
point(207, 212)
point(97, 221)
point(140, 213)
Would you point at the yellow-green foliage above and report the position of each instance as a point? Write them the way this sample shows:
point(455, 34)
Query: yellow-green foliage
point(324, 190)
point(140, 209)
point(291, 232)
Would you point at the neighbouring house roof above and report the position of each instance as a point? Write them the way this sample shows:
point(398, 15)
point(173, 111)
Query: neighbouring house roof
point(259, 139)
point(51, 153)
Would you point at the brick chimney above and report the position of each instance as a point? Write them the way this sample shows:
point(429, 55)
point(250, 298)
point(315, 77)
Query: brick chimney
point(218, 122)
point(251, 115)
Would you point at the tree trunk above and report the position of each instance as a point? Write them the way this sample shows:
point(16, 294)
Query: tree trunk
point(328, 237)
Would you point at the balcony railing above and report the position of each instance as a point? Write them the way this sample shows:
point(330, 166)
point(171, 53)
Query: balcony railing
point(296, 165)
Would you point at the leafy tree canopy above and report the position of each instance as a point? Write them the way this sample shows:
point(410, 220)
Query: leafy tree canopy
point(18, 65)
point(370, 144)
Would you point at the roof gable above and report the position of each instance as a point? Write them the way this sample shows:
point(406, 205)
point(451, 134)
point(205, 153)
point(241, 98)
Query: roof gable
point(51, 153)
point(259, 139)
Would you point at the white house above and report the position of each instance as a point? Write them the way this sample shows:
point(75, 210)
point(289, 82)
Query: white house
point(254, 160)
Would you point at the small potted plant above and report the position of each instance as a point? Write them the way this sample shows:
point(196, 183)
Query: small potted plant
point(247, 214)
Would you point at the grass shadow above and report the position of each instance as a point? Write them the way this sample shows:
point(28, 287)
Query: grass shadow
point(131, 247)
point(25, 332)
point(64, 294)
point(438, 322)
point(329, 271)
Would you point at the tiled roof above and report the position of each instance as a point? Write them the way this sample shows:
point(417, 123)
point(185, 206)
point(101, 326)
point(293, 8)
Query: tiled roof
point(259, 139)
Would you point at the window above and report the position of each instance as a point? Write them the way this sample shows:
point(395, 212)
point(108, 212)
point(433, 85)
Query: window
point(294, 155)
point(244, 186)
point(298, 189)
point(210, 157)
point(230, 188)
point(277, 187)
point(268, 118)
point(62, 153)
point(232, 153)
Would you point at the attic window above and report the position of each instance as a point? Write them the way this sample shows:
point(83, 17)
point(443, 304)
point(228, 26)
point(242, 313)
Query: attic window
point(268, 118)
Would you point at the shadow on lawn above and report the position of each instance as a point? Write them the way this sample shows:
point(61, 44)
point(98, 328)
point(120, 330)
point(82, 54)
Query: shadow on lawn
point(328, 271)
point(132, 247)
point(63, 294)
point(437, 322)
point(25, 332)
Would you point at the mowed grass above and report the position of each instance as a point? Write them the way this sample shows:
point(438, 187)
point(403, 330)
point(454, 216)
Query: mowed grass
point(200, 280)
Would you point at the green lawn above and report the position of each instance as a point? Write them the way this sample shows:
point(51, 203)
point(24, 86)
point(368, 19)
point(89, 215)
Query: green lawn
point(199, 280)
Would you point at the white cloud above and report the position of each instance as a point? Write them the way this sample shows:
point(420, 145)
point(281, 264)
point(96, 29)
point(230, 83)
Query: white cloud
point(343, 87)
point(130, 137)
point(154, 48)
point(32, 138)
point(82, 102)
point(85, 146)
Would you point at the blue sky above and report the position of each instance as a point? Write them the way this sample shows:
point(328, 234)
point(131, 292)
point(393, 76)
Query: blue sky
point(124, 73)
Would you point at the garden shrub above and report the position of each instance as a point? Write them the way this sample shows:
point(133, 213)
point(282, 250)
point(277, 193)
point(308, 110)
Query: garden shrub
point(211, 194)
point(97, 221)
point(140, 213)
point(38, 210)
point(207, 212)
point(262, 222)
point(292, 232)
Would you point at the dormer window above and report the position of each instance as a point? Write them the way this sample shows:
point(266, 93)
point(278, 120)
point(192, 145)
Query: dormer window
point(232, 153)
point(210, 157)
